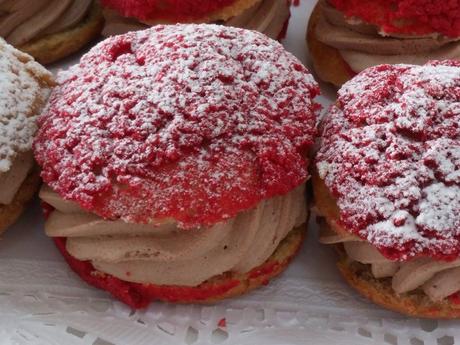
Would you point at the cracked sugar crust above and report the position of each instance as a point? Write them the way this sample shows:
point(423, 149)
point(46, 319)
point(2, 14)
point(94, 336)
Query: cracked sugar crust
point(24, 88)
point(390, 155)
point(190, 122)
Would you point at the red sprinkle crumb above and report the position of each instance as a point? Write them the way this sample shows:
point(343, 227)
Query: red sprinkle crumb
point(222, 323)
point(191, 122)
point(390, 155)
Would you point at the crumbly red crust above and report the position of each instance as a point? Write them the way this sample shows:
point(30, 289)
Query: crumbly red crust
point(175, 10)
point(390, 155)
point(414, 17)
point(192, 122)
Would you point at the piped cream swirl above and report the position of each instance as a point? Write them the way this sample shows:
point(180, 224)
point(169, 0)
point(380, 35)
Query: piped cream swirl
point(163, 254)
point(438, 279)
point(22, 21)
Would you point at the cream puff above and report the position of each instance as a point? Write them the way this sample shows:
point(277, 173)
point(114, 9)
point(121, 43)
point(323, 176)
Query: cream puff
point(175, 162)
point(387, 186)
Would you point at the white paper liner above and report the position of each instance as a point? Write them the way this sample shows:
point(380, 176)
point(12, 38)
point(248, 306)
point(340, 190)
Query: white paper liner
point(43, 302)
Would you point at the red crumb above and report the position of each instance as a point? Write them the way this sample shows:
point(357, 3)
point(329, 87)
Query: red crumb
point(390, 155)
point(264, 270)
point(414, 17)
point(283, 32)
point(191, 122)
point(222, 323)
point(454, 298)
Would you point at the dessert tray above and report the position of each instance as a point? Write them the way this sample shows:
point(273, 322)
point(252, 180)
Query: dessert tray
point(43, 302)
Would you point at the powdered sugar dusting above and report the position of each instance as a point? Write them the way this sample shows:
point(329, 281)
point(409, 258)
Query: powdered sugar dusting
point(390, 155)
point(193, 122)
point(24, 87)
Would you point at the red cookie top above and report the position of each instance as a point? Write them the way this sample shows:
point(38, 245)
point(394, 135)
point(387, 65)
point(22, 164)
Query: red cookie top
point(173, 10)
point(193, 122)
point(390, 155)
point(413, 17)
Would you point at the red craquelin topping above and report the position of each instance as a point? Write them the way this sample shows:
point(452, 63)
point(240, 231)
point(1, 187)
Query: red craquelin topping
point(174, 10)
point(390, 155)
point(192, 122)
point(413, 17)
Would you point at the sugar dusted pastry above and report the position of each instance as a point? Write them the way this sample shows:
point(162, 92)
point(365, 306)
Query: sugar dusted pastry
point(387, 186)
point(175, 162)
point(24, 88)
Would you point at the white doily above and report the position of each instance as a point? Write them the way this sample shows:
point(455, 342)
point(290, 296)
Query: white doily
point(43, 302)
point(303, 312)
